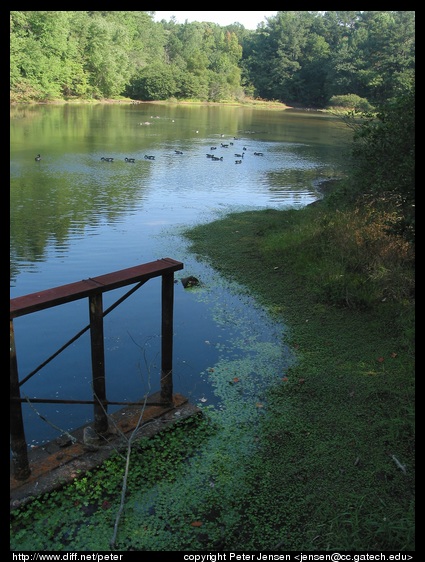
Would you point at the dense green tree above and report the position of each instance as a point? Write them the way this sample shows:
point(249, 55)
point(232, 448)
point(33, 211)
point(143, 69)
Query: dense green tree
point(290, 31)
point(312, 78)
point(145, 38)
point(20, 85)
point(335, 26)
point(384, 159)
point(386, 52)
point(191, 86)
point(204, 60)
point(285, 59)
point(257, 63)
point(376, 60)
point(106, 56)
point(44, 55)
point(155, 82)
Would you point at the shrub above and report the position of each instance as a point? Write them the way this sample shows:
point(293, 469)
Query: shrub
point(350, 101)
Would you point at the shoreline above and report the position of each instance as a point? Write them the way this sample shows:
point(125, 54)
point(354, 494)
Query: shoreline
point(255, 104)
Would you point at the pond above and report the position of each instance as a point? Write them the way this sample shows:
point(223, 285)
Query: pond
point(74, 216)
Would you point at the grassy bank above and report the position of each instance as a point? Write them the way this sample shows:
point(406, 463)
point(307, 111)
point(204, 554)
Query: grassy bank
point(329, 464)
point(335, 468)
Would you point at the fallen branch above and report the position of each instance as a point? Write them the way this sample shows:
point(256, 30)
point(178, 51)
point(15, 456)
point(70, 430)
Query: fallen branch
point(402, 467)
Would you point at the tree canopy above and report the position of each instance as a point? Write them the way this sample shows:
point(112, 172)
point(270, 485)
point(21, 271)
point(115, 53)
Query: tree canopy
point(299, 58)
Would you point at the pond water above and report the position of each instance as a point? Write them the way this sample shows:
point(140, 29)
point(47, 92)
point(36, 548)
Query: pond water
point(74, 216)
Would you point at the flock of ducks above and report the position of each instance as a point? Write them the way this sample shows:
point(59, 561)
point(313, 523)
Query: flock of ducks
point(131, 160)
point(239, 156)
point(214, 158)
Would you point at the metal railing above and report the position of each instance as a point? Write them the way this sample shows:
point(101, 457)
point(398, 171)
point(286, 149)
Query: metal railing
point(92, 289)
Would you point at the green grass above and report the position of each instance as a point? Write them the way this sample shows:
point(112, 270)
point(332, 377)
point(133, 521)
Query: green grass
point(311, 466)
point(325, 472)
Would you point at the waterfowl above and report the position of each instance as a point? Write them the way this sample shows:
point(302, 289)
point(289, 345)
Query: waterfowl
point(107, 159)
point(213, 148)
point(239, 155)
point(37, 158)
point(178, 152)
point(258, 154)
point(130, 159)
point(238, 161)
point(224, 145)
point(147, 157)
point(216, 158)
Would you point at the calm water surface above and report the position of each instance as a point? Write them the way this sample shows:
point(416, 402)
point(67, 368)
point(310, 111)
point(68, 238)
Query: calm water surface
point(75, 216)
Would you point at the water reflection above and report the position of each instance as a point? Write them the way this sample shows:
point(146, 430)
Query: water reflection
point(74, 216)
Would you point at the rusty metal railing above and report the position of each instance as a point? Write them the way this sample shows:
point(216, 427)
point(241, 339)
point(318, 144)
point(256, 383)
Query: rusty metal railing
point(92, 289)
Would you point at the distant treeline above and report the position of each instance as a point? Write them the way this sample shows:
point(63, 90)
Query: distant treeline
point(310, 59)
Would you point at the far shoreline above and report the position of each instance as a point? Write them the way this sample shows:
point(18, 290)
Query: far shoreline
point(250, 102)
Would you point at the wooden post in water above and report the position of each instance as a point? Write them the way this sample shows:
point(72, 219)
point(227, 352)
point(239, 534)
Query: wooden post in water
point(18, 443)
point(167, 338)
point(98, 363)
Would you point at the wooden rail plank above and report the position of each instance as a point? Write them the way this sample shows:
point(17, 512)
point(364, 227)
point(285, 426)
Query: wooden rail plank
point(92, 289)
point(19, 306)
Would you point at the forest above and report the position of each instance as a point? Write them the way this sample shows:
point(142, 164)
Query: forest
point(300, 58)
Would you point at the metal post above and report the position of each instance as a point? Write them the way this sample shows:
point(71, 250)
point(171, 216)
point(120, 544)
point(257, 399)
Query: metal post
point(98, 364)
point(167, 338)
point(18, 443)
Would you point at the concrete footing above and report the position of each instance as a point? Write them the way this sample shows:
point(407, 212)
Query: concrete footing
point(59, 462)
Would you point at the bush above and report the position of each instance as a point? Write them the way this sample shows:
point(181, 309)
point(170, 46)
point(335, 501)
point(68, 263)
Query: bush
point(350, 101)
